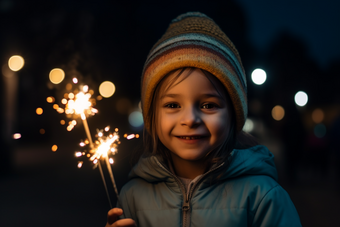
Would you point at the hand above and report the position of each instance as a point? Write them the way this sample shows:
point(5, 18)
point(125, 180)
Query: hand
point(112, 217)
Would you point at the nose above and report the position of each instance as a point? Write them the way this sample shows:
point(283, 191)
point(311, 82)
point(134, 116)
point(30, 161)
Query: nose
point(190, 117)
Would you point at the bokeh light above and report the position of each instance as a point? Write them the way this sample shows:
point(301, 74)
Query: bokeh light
point(39, 111)
point(16, 62)
point(301, 98)
point(54, 148)
point(68, 86)
point(107, 89)
point(318, 115)
point(42, 131)
point(320, 130)
point(16, 136)
point(57, 76)
point(259, 76)
point(136, 119)
point(278, 113)
point(75, 80)
point(62, 122)
point(50, 99)
point(248, 125)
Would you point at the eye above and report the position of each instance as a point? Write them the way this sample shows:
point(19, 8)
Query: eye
point(209, 106)
point(172, 105)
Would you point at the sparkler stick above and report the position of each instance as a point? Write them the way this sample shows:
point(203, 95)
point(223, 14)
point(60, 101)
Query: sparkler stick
point(87, 130)
point(88, 134)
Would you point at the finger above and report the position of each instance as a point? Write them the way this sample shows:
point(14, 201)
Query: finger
point(127, 222)
point(113, 214)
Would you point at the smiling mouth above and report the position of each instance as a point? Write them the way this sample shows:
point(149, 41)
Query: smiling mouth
point(190, 137)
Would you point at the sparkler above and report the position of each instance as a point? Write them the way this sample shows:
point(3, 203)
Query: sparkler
point(80, 104)
point(106, 145)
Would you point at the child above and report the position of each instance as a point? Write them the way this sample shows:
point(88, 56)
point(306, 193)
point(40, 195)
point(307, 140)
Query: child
point(198, 168)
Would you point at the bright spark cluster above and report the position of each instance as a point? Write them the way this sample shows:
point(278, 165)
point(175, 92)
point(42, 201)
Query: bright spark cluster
point(104, 146)
point(76, 104)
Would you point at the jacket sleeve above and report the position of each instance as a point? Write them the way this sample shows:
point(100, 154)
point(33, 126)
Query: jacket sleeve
point(276, 209)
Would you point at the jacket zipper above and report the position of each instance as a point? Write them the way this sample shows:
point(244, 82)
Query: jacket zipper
point(187, 196)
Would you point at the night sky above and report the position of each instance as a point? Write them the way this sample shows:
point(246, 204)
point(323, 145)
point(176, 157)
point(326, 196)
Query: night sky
point(316, 23)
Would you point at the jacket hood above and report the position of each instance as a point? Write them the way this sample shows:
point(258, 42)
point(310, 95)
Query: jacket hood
point(257, 160)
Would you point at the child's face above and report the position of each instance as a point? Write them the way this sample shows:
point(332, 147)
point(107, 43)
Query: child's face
point(193, 118)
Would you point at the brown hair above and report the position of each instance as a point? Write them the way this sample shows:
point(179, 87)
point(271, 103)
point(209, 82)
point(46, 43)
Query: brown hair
point(153, 146)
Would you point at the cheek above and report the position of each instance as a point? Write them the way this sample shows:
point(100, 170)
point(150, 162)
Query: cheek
point(162, 125)
point(221, 126)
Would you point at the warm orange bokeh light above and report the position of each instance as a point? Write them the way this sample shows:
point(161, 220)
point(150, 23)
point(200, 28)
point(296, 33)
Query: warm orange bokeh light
point(39, 111)
point(318, 115)
point(107, 89)
point(42, 131)
point(68, 86)
point(16, 62)
point(54, 148)
point(57, 76)
point(278, 113)
point(50, 99)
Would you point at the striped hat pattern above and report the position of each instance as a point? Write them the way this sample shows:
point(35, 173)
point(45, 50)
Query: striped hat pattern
point(195, 40)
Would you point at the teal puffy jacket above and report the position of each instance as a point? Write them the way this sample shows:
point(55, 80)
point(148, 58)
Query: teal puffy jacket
point(246, 195)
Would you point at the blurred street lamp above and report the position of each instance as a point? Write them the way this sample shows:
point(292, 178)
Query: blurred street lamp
point(259, 76)
point(57, 76)
point(107, 89)
point(301, 98)
point(16, 62)
point(278, 113)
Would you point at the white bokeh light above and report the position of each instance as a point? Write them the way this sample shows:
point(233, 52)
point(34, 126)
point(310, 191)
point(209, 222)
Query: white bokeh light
point(248, 125)
point(301, 98)
point(258, 76)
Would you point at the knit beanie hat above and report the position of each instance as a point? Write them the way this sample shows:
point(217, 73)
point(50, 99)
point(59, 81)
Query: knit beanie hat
point(195, 40)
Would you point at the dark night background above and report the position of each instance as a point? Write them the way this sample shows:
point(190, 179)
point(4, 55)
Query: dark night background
point(295, 42)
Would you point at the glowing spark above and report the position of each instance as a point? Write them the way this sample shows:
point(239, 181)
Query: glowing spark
point(78, 154)
point(77, 103)
point(107, 128)
point(75, 80)
point(111, 161)
point(50, 99)
point(80, 164)
point(39, 111)
point(16, 136)
point(60, 110)
point(131, 136)
point(54, 148)
point(69, 128)
point(104, 146)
